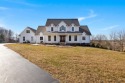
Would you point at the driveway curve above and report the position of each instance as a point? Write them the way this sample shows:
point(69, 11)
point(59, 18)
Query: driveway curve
point(16, 69)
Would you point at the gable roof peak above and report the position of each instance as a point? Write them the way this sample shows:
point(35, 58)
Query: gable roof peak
point(40, 29)
point(84, 28)
point(31, 29)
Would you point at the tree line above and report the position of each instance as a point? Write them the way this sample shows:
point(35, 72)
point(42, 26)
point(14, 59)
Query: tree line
point(115, 41)
point(6, 35)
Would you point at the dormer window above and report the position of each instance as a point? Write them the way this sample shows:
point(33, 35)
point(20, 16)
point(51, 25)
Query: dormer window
point(72, 28)
point(62, 28)
point(51, 28)
point(27, 31)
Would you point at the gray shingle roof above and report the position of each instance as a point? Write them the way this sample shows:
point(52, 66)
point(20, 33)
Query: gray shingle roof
point(40, 29)
point(32, 29)
point(67, 32)
point(85, 29)
point(82, 29)
point(67, 21)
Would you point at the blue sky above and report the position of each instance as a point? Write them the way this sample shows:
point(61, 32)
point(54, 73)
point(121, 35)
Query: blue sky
point(101, 16)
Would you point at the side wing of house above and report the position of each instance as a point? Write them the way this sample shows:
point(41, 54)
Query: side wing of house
point(28, 35)
point(85, 37)
point(40, 38)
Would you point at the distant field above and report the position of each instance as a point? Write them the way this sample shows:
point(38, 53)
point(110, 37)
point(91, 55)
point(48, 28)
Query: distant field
point(76, 64)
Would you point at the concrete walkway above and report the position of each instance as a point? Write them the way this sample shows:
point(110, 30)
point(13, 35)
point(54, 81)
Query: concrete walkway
point(16, 69)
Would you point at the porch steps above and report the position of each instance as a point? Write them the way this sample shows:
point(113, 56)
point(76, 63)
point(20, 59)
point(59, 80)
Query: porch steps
point(62, 43)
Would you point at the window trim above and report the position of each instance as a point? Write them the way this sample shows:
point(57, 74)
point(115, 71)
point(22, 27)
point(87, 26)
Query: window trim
point(75, 38)
point(27, 31)
point(62, 28)
point(41, 38)
point(83, 38)
point(49, 38)
point(23, 38)
point(70, 37)
point(73, 29)
point(32, 38)
point(54, 38)
point(52, 29)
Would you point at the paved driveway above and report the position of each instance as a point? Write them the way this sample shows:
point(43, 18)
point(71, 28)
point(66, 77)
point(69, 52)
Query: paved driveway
point(16, 69)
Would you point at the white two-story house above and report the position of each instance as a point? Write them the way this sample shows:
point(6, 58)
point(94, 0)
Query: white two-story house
point(56, 31)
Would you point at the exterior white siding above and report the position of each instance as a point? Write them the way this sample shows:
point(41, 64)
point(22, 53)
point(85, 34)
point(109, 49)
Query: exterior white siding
point(57, 28)
point(27, 36)
point(87, 38)
point(52, 39)
point(70, 30)
point(79, 39)
point(72, 39)
point(38, 38)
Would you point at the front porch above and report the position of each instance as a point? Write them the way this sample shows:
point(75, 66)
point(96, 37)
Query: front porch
point(62, 37)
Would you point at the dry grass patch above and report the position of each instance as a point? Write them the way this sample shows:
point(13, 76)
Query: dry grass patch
point(76, 64)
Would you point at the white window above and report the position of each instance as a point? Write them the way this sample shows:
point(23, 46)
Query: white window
point(75, 38)
point(23, 38)
point(69, 37)
point(27, 31)
point(51, 28)
point(31, 38)
point(72, 28)
point(54, 38)
point(41, 38)
point(49, 38)
point(62, 28)
point(83, 38)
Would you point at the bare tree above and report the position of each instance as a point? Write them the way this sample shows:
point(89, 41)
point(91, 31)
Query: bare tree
point(121, 39)
point(100, 40)
point(113, 39)
point(16, 37)
point(10, 35)
point(5, 35)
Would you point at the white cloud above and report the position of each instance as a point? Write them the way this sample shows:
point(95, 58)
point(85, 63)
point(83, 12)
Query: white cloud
point(90, 15)
point(81, 18)
point(3, 8)
point(110, 27)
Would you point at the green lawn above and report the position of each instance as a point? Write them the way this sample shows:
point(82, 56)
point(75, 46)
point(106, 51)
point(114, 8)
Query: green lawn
point(76, 64)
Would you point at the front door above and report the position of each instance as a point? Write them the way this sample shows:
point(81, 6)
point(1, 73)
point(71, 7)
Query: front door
point(62, 38)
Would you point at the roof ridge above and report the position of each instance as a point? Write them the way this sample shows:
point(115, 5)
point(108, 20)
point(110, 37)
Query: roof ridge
point(85, 29)
point(62, 18)
point(66, 20)
point(83, 25)
point(31, 28)
point(40, 29)
point(41, 26)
